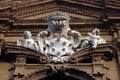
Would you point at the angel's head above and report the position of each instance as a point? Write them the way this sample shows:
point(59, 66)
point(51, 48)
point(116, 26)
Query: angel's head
point(96, 31)
point(27, 35)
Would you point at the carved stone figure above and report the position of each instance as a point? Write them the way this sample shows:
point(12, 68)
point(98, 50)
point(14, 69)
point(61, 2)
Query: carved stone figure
point(59, 39)
point(93, 39)
point(27, 42)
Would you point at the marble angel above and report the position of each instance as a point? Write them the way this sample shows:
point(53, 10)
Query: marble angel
point(93, 39)
point(27, 41)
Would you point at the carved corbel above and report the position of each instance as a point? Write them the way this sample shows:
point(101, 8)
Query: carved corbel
point(21, 60)
point(19, 66)
point(97, 65)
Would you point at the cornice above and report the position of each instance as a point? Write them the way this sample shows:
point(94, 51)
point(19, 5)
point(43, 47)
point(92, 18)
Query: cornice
point(114, 2)
point(14, 4)
point(35, 26)
point(88, 3)
point(5, 4)
point(40, 7)
point(31, 11)
point(113, 6)
point(39, 22)
point(82, 28)
point(30, 3)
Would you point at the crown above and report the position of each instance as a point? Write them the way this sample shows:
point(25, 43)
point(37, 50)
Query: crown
point(58, 15)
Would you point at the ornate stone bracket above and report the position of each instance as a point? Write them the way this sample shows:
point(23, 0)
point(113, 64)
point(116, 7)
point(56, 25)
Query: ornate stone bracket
point(105, 49)
point(9, 49)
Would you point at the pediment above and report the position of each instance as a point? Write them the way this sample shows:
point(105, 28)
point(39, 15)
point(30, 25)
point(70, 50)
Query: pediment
point(35, 9)
point(44, 16)
point(42, 10)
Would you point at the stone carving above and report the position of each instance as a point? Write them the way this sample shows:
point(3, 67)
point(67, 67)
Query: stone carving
point(58, 41)
point(93, 39)
point(27, 42)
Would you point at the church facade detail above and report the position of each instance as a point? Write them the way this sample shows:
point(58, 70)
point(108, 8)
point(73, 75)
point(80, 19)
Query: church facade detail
point(60, 40)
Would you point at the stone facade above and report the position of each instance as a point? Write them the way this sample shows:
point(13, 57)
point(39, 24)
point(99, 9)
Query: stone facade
point(101, 63)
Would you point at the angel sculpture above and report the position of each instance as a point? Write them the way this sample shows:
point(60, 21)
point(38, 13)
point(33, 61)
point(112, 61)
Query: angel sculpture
point(93, 39)
point(27, 42)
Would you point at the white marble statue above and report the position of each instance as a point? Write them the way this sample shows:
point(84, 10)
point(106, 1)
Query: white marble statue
point(93, 39)
point(58, 40)
point(27, 42)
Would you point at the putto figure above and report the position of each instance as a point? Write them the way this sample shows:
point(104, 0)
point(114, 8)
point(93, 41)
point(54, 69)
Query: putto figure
point(59, 40)
point(93, 39)
point(27, 42)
